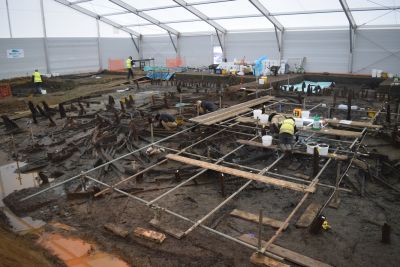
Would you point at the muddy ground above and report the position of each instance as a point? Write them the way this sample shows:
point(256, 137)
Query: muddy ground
point(353, 240)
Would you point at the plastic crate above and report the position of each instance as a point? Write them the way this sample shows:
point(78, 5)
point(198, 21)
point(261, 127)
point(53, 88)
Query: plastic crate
point(5, 90)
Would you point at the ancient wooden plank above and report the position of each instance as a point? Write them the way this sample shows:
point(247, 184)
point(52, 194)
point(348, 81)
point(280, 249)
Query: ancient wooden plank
point(361, 124)
point(334, 132)
point(261, 260)
point(254, 218)
point(309, 215)
point(285, 253)
point(178, 234)
point(117, 230)
point(296, 151)
point(239, 173)
point(149, 235)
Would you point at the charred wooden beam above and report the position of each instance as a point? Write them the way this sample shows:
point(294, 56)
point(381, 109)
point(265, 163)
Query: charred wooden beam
point(122, 106)
point(10, 125)
point(82, 110)
point(111, 101)
point(349, 97)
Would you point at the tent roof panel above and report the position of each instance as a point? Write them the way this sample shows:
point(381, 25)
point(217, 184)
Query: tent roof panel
point(143, 4)
point(314, 20)
point(372, 3)
point(233, 8)
point(246, 23)
point(300, 5)
point(377, 17)
point(196, 26)
point(148, 30)
point(101, 6)
point(127, 19)
point(170, 14)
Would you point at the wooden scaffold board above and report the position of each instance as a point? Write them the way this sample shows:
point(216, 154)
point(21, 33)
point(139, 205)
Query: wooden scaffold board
point(243, 174)
point(230, 112)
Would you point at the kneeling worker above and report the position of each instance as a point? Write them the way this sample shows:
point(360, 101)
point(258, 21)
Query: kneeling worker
point(204, 107)
point(166, 120)
point(286, 133)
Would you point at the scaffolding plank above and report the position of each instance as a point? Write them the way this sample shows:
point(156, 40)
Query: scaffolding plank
point(264, 261)
point(361, 124)
point(243, 174)
point(285, 253)
point(295, 151)
point(309, 215)
point(334, 132)
point(255, 218)
point(230, 112)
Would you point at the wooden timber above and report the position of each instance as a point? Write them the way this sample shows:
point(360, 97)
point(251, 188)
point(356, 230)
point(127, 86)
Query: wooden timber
point(295, 151)
point(149, 235)
point(360, 124)
point(243, 174)
point(255, 218)
point(309, 215)
point(230, 112)
point(334, 132)
point(287, 254)
point(264, 261)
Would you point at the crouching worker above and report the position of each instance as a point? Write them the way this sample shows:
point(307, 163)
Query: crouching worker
point(204, 107)
point(286, 134)
point(275, 120)
point(167, 121)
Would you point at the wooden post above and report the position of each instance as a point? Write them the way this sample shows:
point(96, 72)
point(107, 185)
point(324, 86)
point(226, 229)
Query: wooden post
point(315, 162)
point(336, 200)
point(33, 111)
point(388, 117)
point(260, 221)
point(61, 110)
point(348, 106)
point(16, 159)
point(222, 183)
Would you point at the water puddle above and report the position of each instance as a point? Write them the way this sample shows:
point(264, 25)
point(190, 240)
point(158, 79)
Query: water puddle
point(10, 181)
point(76, 252)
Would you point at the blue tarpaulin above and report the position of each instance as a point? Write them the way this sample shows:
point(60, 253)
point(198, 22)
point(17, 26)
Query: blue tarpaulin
point(158, 75)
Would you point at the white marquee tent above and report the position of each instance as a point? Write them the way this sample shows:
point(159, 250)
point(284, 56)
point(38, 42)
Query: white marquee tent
point(60, 36)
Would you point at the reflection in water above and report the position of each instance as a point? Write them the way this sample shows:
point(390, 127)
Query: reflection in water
point(9, 180)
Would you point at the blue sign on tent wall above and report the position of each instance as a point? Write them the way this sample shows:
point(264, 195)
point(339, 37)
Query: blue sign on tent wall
point(15, 53)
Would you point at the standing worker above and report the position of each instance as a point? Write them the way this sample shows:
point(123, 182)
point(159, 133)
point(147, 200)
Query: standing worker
point(286, 133)
point(129, 64)
point(37, 81)
point(167, 121)
point(204, 107)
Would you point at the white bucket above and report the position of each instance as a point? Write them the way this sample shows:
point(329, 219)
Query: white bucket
point(323, 149)
point(342, 106)
point(266, 140)
point(257, 113)
point(310, 148)
point(354, 107)
point(264, 118)
point(305, 114)
point(298, 122)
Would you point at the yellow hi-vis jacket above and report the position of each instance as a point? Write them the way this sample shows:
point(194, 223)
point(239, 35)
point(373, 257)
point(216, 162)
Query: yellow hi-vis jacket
point(37, 78)
point(128, 63)
point(287, 127)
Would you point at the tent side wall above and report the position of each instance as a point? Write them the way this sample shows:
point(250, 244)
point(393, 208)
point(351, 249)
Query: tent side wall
point(325, 51)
